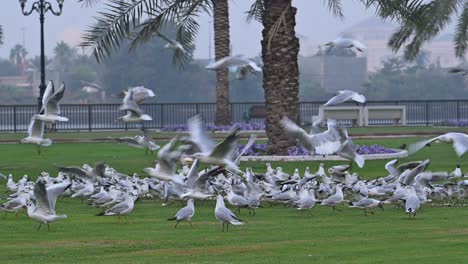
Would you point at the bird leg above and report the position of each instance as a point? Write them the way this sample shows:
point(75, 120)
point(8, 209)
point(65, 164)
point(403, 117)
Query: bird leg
point(118, 219)
point(126, 219)
point(223, 226)
point(5, 216)
point(190, 223)
point(48, 227)
point(176, 224)
point(365, 212)
point(238, 210)
point(39, 226)
point(39, 150)
point(16, 215)
point(227, 227)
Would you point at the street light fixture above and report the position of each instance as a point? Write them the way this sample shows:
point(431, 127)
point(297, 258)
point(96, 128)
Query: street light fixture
point(42, 7)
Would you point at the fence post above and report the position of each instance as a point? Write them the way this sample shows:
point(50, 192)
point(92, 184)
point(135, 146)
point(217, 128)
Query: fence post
point(14, 118)
point(458, 111)
point(427, 113)
point(90, 118)
point(197, 110)
point(162, 116)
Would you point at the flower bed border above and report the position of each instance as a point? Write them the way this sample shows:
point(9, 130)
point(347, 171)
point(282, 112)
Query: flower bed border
point(398, 154)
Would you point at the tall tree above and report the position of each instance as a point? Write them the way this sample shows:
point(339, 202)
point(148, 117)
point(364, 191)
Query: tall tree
point(126, 21)
point(18, 56)
point(63, 57)
point(222, 46)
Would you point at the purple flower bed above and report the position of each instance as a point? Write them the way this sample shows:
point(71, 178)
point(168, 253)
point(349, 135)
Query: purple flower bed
point(260, 149)
point(243, 126)
point(457, 123)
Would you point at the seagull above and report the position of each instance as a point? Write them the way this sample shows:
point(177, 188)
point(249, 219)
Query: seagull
point(184, 214)
point(348, 150)
point(91, 174)
point(167, 158)
point(462, 68)
point(345, 43)
point(225, 215)
point(240, 61)
point(133, 110)
point(50, 111)
point(459, 142)
point(325, 143)
point(412, 202)
point(208, 152)
point(335, 199)
point(90, 88)
point(139, 94)
point(366, 204)
point(456, 174)
point(121, 209)
point(16, 205)
point(36, 134)
point(345, 95)
point(306, 199)
point(44, 209)
point(173, 44)
point(140, 142)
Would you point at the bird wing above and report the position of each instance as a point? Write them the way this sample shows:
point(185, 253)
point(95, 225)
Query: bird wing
point(223, 148)
point(192, 175)
point(358, 98)
point(296, 132)
point(54, 191)
point(413, 148)
point(74, 171)
point(202, 179)
point(36, 128)
point(219, 64)
point(359, 45)
point(118, 208)
point(184, 213)
point(140, 93)
point(42, 201)
point(52, 105)
point(247, 146)
point(341, 97)
point(254, 66)
point(47, 93)
point(167, 158)
point(199, 136)
point(129, 141)
point(460, 143)
point(129, 104)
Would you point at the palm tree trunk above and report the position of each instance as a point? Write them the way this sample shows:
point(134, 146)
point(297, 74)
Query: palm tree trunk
point(280, 72)
point(222, 45)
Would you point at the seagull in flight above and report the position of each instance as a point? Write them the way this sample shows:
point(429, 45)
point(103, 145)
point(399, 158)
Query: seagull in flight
point(36, 134)
point(173, 44)
point(459, 142)
point(345, 95)
point(243, 65)
point(50, 111)
point(346, 43)
point(133, 110)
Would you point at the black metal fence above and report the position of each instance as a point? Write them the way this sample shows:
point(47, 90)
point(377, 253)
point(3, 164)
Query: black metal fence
point(171, 115)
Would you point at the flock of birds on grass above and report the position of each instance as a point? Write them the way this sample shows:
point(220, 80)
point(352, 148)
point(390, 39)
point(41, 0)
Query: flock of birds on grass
point(408, 185)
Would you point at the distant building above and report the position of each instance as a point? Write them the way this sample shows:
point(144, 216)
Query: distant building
point(335, 72)
point(16, 81)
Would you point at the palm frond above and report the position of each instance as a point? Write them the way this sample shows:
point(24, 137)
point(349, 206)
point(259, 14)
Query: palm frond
point(116, 25)
point(89, 3)
point(183, 14)
point(336, 7)
point(461, 34)
point(256, 11)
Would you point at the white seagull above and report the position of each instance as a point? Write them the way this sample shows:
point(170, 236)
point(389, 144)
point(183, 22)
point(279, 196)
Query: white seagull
point(46, 198)
point(344, 96)
point(244, 66)
point(50, 112)
point(225, 215)
point(184, 214)
point(346, 43)
point(121, 209)
point(459, 142)
point(36, 134)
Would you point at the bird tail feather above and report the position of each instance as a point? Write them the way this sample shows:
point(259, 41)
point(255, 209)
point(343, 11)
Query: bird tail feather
point(359, 160)
point(172, 218)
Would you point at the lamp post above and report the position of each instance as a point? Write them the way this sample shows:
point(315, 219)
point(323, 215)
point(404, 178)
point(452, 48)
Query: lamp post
point(41, 6)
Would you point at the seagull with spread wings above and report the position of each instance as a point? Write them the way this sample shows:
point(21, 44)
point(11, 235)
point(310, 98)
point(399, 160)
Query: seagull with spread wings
point(50, 112)
point(459, 142)
point(345, 95)
point(36, 134)
point(46, 198)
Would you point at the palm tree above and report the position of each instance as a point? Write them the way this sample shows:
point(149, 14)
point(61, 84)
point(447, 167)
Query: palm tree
point(63, 57)
point(116, 26)
point(18, 57)
point(222, 45)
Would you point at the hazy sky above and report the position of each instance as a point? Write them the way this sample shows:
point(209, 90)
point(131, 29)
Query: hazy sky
point(314, 22)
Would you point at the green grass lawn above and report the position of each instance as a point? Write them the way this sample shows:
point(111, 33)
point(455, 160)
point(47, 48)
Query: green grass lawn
point(277, 234)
